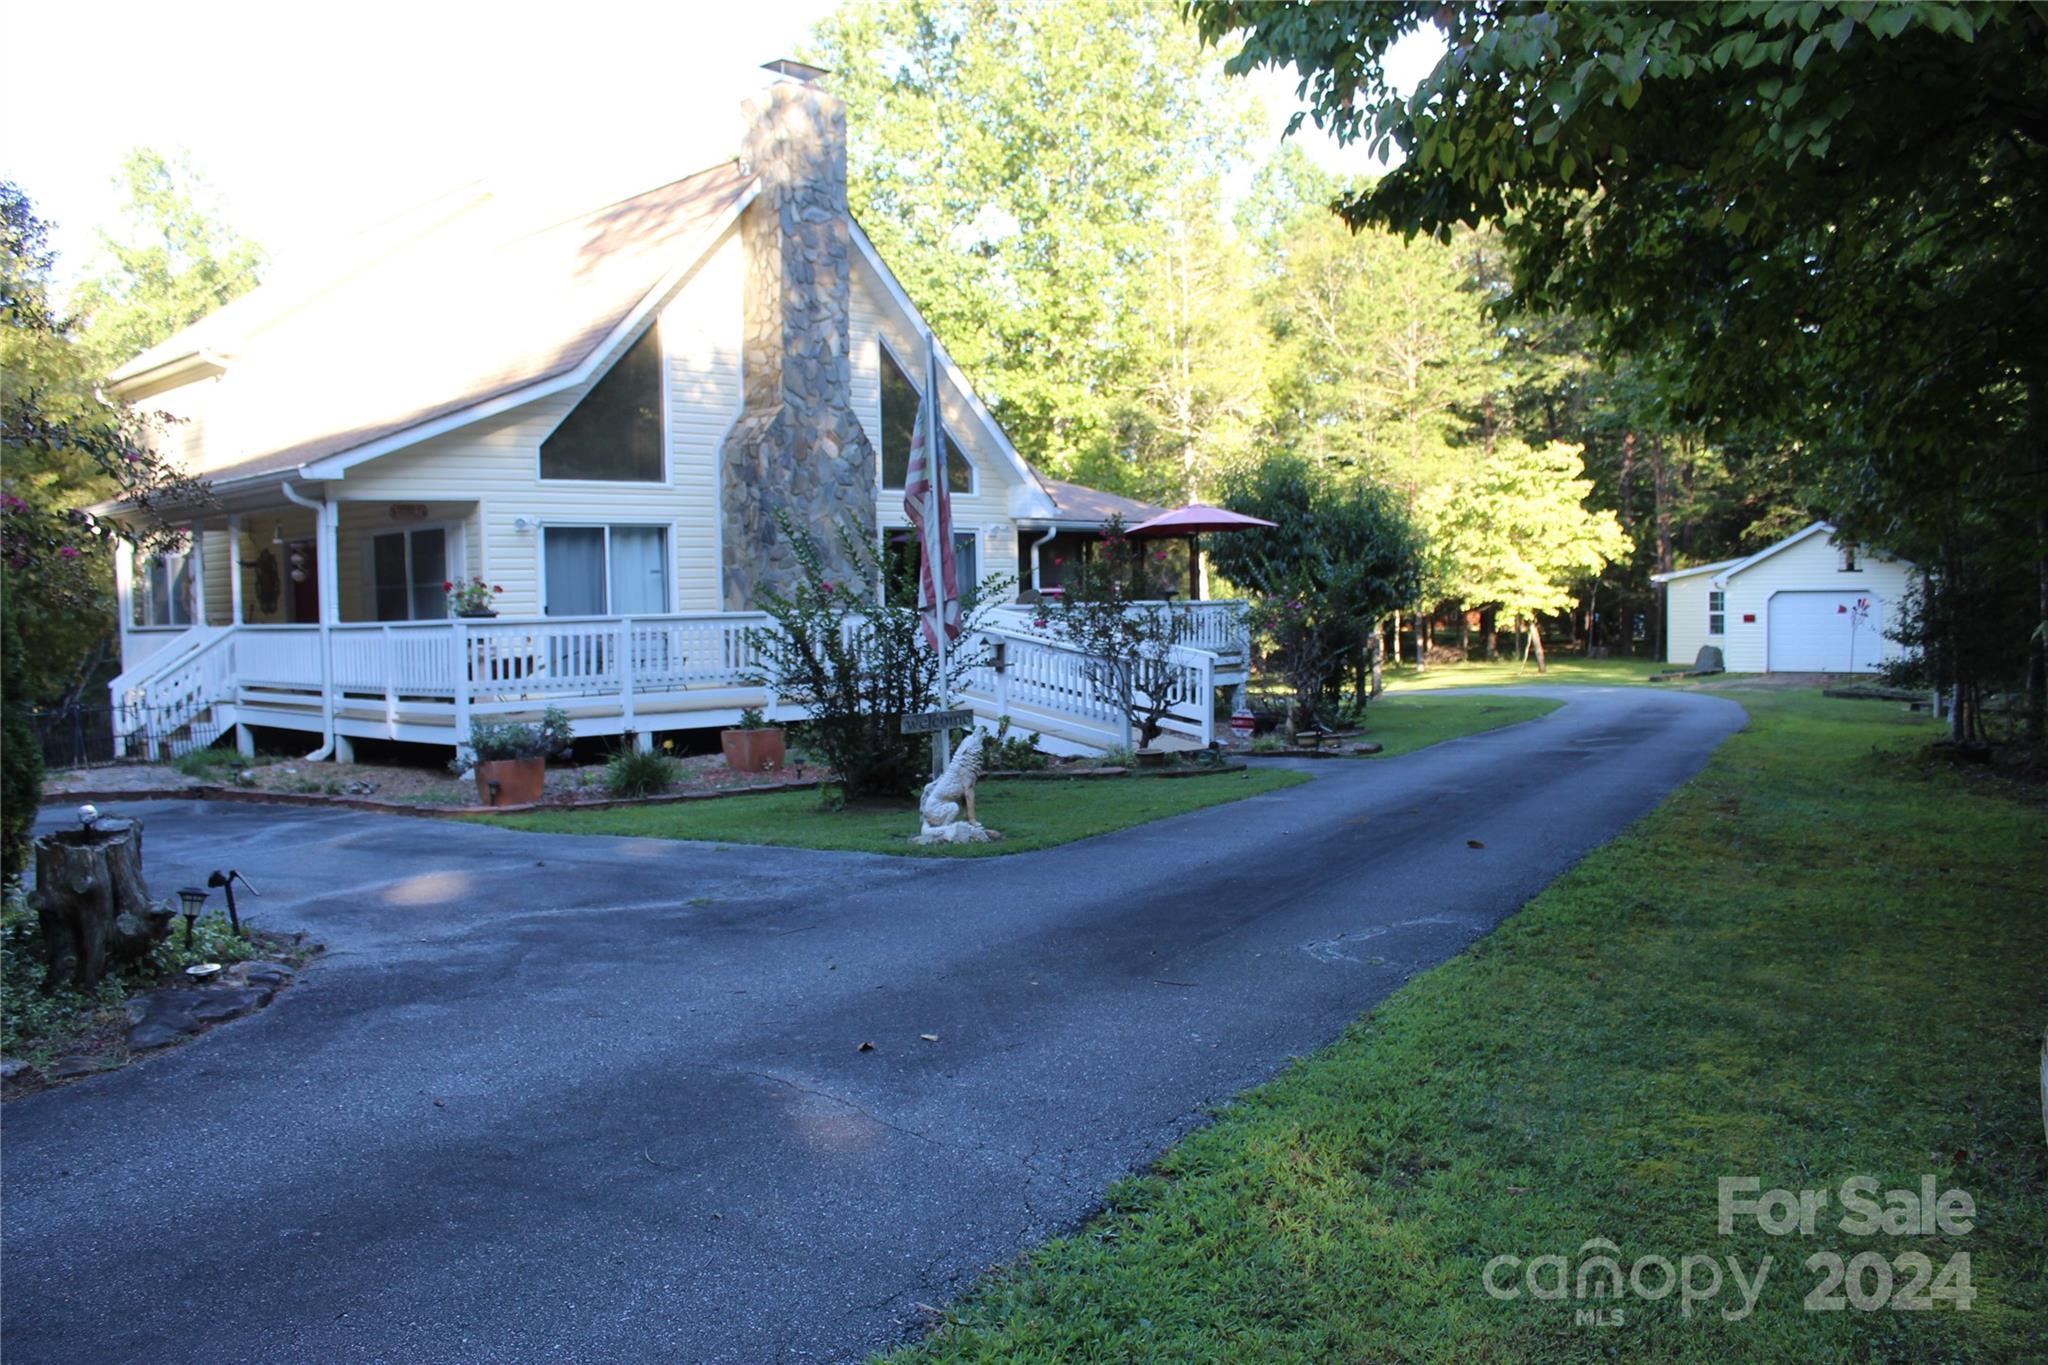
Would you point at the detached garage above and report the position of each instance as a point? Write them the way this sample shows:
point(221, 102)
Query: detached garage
point(1808, 604)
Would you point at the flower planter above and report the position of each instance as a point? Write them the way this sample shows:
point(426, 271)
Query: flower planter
point(753, 751)
point(485, 615)
point(519, 781)
point(1152, 758)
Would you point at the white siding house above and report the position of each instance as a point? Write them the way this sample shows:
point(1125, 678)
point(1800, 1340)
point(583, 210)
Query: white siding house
point(1808, 604)
point(589, 413)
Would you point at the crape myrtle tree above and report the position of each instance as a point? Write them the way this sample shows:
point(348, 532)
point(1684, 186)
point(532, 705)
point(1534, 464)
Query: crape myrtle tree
point(1112, 613)
point(1824, 217)
point(1343, 548)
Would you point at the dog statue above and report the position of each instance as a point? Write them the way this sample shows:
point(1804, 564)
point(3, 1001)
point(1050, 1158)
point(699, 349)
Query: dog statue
point(949, 796)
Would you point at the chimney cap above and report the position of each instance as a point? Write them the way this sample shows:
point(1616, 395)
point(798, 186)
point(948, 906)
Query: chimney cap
point(795, 70)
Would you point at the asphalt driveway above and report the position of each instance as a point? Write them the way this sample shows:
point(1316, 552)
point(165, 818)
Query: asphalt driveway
point(568, 1098)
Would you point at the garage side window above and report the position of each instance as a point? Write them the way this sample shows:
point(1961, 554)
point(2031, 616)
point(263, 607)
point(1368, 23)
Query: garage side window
point(1717, 613)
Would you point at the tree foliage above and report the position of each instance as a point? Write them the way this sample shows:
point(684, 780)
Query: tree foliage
point(61, 447)
point(1343, 549)
point(1519, 535)
point(1822, 219)
point(1019, 165)
point(173, 260)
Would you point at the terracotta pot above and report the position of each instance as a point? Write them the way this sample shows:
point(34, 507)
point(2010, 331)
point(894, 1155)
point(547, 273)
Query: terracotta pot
point(753, 751)
point(519, 781)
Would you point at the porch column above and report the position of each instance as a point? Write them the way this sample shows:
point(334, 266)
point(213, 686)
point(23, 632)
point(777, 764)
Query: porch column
point(328, 557)
point(326, 515)
point(195, 568)
point(234, 568)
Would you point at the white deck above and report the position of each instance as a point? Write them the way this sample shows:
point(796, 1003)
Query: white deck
point(423, 682)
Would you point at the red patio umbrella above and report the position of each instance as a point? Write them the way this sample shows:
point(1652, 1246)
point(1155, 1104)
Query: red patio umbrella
point(1191, 521)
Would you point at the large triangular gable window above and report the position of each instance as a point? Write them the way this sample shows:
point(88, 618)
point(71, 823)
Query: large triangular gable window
point(615, 432)
point(899, 415)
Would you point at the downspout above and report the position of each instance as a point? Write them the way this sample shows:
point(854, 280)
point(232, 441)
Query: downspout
point(1050, 532)
point(325, 513)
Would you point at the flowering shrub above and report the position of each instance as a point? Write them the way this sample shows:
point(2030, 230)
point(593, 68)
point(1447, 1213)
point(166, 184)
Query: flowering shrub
point(1305, 642)
point(473, 596)
point(496, 741)
point(857, 664)
point(1129, 648)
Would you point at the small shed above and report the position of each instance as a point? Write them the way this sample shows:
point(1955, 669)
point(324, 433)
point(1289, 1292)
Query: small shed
point(1812, 603)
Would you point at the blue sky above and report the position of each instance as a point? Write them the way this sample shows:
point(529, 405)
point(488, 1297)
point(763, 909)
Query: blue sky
point(312, 122)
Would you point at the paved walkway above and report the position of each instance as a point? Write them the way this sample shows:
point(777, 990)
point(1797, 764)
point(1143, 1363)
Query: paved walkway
point(601, 1099)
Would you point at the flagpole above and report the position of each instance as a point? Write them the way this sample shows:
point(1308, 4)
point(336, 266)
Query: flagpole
point(932, 551)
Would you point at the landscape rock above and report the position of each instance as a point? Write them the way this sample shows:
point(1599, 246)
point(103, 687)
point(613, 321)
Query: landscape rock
point(150, 1034)
point(83, 1065)
point(216, 1006)
point(11, 1069)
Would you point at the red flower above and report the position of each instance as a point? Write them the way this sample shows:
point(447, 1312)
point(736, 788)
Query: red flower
point(1160, 557)
point(447, 585)
point(499, 588)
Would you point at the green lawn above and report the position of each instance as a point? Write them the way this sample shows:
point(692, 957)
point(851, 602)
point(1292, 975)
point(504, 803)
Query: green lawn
point(1030, 815)
point(1819, 960)
point(1504, 673)
point(1403, 724)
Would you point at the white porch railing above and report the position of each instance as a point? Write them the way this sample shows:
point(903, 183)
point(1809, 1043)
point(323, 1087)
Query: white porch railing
point(1221, 627)
point(452, 669)
point(1034, 675)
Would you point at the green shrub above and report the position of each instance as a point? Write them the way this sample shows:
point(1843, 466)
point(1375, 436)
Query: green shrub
point(1001, 752)
point(208, 765)
point(633, 773)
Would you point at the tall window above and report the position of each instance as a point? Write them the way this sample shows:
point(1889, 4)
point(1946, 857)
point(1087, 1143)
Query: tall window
point(899, 416)
point(1848, 559)
point(899, 563)
point(615, 432)
point(407, 569)
point(605, 570)
point(162, 592)
point(1717, 612)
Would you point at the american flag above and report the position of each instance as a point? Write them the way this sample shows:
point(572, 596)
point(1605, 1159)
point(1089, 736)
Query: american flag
point(929, 505)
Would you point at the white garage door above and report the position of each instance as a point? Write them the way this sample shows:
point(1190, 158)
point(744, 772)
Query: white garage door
point(1820, 632)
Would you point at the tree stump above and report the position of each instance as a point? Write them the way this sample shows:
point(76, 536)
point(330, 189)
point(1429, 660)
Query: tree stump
point(92, 903)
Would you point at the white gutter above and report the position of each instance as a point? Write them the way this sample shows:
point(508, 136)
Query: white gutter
point(1050, 532)
point(327, 540)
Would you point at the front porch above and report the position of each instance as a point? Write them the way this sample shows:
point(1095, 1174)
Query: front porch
point(424, 681)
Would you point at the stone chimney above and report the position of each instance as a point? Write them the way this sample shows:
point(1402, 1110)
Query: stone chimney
point(798, 446)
